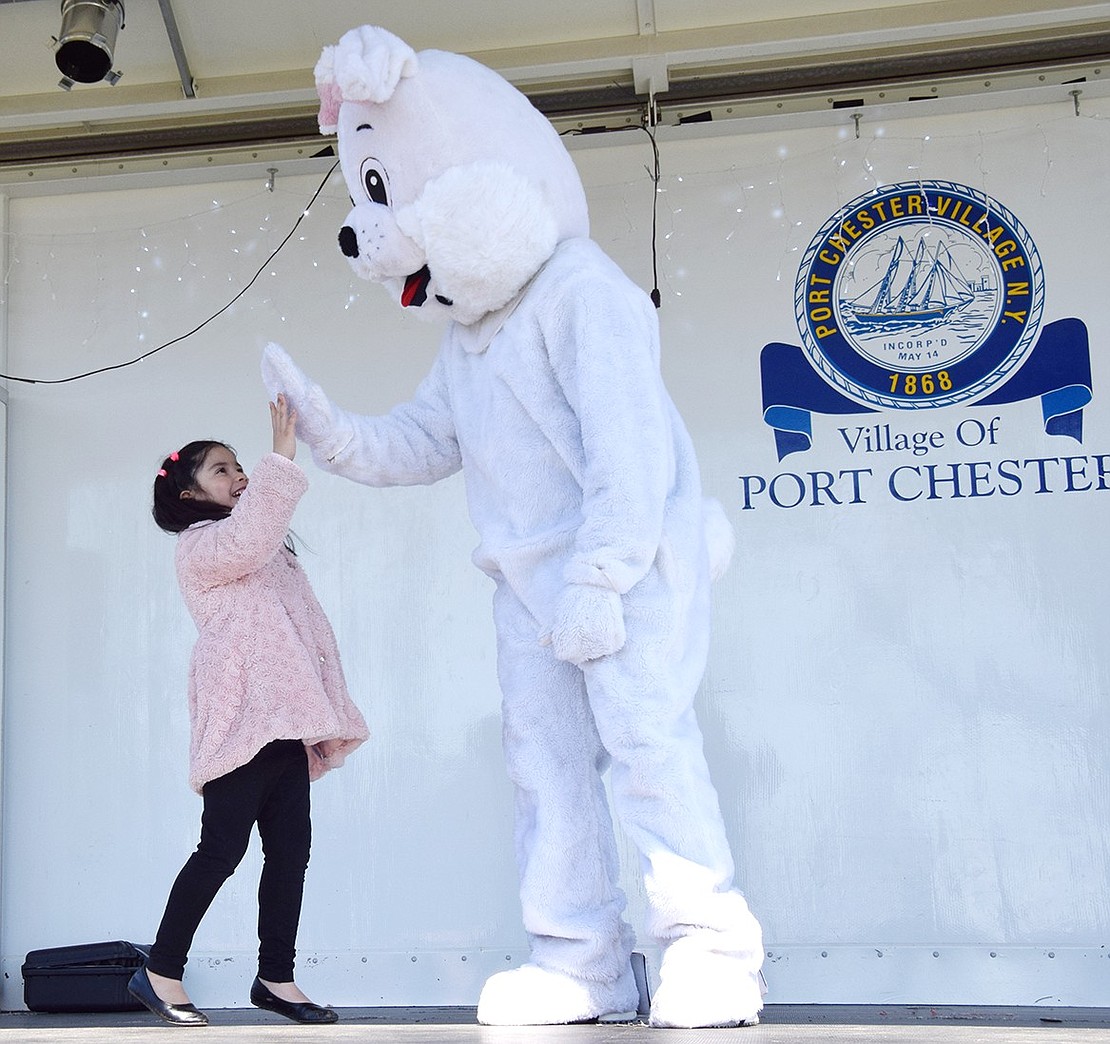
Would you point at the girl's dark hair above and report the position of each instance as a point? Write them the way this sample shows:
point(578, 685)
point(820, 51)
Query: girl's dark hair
point(179, 473)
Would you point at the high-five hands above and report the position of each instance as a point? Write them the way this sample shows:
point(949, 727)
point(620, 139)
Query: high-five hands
point(321, 425)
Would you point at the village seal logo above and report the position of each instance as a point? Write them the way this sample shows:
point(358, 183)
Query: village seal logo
point(923, 294)
point(917, 296)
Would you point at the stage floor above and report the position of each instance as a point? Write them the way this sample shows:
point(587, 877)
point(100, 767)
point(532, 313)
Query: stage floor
point(781, 1024)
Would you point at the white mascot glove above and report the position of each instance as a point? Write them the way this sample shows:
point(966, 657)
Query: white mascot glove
point(588, 624)
point(321, 425)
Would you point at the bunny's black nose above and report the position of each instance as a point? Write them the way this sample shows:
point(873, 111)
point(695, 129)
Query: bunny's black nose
point(348, 241)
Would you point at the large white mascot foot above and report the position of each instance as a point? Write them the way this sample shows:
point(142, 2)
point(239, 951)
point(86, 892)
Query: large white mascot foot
point(701, 989)
point(535, 996)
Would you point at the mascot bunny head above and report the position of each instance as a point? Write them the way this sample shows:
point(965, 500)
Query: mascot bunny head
point(461, 188)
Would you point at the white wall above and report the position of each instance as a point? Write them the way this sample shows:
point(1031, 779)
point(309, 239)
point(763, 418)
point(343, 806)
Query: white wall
point(905, 709)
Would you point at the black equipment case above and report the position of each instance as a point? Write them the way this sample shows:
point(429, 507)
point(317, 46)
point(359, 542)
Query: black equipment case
point(91, 977)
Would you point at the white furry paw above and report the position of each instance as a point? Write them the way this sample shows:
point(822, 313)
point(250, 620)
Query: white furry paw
point(589, 624)
point(321, 425)
point(535, 996)
point(704, 990)
point(280, 374)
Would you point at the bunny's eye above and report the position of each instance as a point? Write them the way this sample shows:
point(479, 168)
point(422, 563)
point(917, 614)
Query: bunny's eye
point(375, 186)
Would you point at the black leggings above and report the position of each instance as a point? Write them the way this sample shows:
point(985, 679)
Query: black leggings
point(272, 791)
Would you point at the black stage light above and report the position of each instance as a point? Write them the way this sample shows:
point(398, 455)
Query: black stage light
point(88, 34)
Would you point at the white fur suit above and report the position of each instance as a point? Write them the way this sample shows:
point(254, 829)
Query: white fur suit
point(582, 484)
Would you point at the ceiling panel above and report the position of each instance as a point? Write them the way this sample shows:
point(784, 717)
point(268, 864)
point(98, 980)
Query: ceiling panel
point(584, 62)
point(250, 37)
point(675, 15)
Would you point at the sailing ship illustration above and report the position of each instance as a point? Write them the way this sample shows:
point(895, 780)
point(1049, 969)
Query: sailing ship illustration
point(931, 289)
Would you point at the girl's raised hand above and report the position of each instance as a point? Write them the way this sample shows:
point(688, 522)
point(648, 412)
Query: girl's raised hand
point(284, 420)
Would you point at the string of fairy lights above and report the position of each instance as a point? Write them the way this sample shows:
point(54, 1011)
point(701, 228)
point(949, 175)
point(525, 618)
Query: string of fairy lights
point(199, 326)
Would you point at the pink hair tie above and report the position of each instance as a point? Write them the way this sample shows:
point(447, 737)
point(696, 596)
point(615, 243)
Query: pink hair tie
point(161, 472)
point(174, 456)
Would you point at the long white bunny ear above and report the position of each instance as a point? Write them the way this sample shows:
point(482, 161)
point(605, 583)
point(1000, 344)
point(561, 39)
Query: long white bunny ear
point(366, 64)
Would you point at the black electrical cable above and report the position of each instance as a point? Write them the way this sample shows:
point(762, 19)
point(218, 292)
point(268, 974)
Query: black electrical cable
point(656, 297)
point(195, 329)
point(654, 174)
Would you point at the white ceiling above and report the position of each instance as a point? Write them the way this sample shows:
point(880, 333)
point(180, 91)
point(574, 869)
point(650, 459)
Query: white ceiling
point(587, 63)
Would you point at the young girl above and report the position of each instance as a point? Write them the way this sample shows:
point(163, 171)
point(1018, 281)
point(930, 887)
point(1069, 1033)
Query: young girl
point(267, 702)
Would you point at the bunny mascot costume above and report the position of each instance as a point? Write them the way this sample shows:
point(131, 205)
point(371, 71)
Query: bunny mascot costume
point(582, 484)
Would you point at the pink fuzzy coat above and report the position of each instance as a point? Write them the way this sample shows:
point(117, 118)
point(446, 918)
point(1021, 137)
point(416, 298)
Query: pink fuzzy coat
point(265, 665)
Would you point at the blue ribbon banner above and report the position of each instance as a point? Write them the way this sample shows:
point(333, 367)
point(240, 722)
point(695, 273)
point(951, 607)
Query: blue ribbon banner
point(1058, 370)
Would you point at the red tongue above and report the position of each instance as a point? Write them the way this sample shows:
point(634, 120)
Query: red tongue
point(416, 288)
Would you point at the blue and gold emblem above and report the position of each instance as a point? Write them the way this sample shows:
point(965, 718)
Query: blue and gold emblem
point(916, 296)
point(919, 295)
